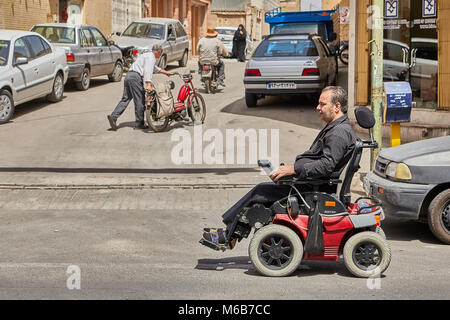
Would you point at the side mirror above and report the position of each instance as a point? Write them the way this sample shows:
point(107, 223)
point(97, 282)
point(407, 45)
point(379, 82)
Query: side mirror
point(118, 34)
point(20, 61)
point(171, 38)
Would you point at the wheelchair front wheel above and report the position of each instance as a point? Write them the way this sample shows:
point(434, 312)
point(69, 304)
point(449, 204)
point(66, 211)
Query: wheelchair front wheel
point(276, 251)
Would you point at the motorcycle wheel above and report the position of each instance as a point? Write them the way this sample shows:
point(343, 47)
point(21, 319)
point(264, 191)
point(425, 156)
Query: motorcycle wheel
point(343, 56)
point(157, 124)
point(197, 108)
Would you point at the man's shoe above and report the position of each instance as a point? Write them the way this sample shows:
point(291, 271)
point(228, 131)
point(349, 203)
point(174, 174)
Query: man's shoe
point(112, 123)
point(222, 83)
point(140, 126)
point(216, 239)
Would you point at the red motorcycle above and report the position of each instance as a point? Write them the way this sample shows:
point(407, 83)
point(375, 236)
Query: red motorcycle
point(189, 103)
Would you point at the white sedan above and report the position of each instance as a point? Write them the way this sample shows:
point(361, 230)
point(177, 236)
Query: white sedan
point(30, 68)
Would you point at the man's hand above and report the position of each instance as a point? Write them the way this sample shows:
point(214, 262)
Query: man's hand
point(281, 172)
point(167, 73)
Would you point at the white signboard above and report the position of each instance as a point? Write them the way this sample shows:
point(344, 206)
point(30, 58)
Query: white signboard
point(344, 14)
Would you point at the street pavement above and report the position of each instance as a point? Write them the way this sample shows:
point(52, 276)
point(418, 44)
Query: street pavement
point(117, 207)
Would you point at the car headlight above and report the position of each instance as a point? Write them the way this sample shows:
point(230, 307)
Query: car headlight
point(398, 171)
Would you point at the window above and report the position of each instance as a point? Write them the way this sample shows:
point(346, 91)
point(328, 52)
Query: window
point(180, 30)
point(4, 52)
point(171, 31)
point(145, 30)
point(21, 49)
point(56, 34)
point(286, 48)
point(100, 40)
point(46, 47)
point(36, 46)
point(87, 40)
point(393, 52)
point(226, 32)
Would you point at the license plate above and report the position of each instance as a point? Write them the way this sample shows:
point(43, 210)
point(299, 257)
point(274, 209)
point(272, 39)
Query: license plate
point(281, 85)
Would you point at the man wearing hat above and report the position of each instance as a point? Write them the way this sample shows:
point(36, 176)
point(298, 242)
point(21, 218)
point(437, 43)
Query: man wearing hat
point(210, 49)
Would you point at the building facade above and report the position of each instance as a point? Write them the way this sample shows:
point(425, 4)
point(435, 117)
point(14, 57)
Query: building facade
point(250, 13)
point(415, 49)
point(195, 15)
point(107, 15)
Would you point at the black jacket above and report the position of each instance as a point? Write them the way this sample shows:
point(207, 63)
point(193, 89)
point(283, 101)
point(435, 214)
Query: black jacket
point(329, 153)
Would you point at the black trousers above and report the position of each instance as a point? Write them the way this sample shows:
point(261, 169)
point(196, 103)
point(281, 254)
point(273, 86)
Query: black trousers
point(265, 193)
point(133, 90)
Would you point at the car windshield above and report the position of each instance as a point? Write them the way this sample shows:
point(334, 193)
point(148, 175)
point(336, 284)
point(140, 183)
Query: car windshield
point(286, 48)
point(226, 32)
point(145, 30)
point(318, 29)
point(56, 34)
point(4, 52)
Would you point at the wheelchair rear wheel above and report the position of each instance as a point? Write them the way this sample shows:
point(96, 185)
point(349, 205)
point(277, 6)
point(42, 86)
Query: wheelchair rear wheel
point(276, 251)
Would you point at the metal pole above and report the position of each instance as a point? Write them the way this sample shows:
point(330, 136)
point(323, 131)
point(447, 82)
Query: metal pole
point(377, 75)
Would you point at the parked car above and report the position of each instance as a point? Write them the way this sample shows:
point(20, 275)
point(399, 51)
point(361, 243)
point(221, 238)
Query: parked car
point(169, 33)
point(285, 64)
point(30, 68)
point(413, 182)
point(226, 35)
point(88, 52)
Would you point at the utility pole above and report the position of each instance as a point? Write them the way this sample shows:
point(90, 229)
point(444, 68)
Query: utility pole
point(376, 42)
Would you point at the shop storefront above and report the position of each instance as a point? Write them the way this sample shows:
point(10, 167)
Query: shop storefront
point(415, 49)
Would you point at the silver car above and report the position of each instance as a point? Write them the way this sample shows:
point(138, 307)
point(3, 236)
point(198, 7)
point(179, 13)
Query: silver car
point(169, 33)
point(30, 68)
point(89, 54)
point(226, 35)
point(289, 64)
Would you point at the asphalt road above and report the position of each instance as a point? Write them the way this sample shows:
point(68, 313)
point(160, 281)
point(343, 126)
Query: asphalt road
point(88, 213)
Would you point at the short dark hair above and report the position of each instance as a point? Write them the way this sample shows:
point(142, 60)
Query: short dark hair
point(339, 95)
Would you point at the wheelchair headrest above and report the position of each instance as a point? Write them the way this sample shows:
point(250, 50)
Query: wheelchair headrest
point(364, 117)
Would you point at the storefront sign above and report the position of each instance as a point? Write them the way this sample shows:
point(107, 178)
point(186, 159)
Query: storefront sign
point(429, 8)
point(391, 9)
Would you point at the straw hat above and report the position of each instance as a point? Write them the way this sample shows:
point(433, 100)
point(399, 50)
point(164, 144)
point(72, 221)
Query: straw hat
point(211, 32)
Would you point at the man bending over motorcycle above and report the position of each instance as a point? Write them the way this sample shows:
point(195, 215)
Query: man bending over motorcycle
point(326, 158)
point(210, 49)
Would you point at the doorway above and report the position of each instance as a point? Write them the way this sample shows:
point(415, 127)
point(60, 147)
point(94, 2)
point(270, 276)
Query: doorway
point(410, 48)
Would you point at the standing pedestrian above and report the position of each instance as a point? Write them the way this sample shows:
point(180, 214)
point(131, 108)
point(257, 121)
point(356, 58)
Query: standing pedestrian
point(140, 72)
point(239, 43)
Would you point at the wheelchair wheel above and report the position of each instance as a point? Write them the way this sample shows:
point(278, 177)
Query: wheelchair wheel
point(276, 251)
point(367, 254)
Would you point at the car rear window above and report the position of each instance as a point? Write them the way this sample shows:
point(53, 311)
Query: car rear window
point(145, 30)
point(318, 29)
point(286, 48)
point(226, 32)
point(4, 52)
point(56, 34)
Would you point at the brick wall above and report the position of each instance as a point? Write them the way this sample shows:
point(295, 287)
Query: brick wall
point(23, 14)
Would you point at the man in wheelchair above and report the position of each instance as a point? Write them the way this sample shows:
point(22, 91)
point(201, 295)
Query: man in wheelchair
point(325, 159)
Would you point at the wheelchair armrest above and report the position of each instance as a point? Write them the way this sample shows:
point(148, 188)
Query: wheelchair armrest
point(317, 182)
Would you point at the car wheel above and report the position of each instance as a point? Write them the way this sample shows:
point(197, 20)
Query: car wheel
point(85, 80)
point(184, 60)
point(162, 62)
point(58, 89)
point(275, 251)
point(251, 100)
point(6, 106)
point(439, 216)
point(367, 254)
point(117, 73)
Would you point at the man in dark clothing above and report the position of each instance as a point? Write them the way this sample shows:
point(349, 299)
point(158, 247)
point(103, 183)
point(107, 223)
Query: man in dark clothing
point(326, 158)
point(239, 43)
